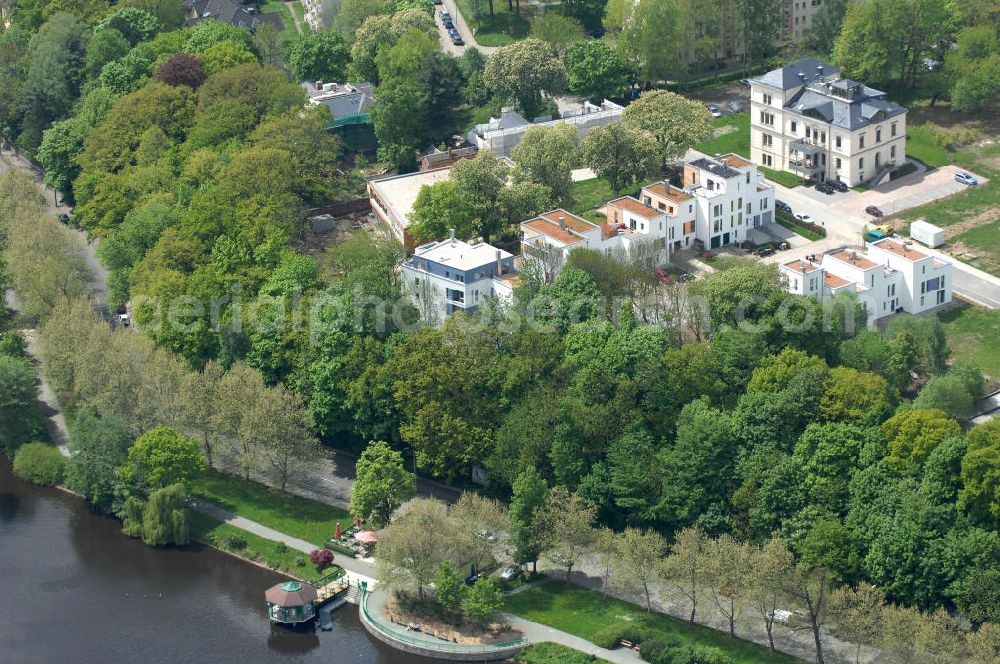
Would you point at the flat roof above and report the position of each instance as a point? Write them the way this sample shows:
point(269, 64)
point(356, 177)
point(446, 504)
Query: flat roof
point(459, 254)
point(399, 192)
point(834, 282)
point(854, 258)
point(663, 191)
point(570, 220)
point(898, 248)
point(546, 227)
point(735, 160)
point(636, 207)
point(715, 167)
point(799, 265)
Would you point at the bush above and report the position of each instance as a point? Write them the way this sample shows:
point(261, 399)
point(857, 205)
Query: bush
point(608, 637)
point(661, 649)
point(949, 139)
point(639, 633)
point(40, 463)
point(300, 562)
point(321, 558)
point(234, 542)
point(281, 547)
point(12, 344)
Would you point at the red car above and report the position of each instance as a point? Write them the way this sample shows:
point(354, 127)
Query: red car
point(663, 277)
point(873, 211)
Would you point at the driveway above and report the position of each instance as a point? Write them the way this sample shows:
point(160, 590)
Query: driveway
point(843, 213)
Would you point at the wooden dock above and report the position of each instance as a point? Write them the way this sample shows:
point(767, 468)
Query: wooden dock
point(329, 591)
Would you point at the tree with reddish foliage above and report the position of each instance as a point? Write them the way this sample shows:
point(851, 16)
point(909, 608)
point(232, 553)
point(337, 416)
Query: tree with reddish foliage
point(182, 69)
point(321, 558)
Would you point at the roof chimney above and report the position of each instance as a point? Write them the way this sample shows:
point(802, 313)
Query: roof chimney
point(819, 68)
point(451, 236)
point(499, 265)
point(562, 222)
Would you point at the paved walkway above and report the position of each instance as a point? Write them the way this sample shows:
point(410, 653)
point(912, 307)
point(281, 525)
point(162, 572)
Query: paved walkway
point(537, 633)
point(357, 570)
point(295, 17)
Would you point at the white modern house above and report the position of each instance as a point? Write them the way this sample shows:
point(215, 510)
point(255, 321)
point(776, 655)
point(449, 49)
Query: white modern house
point(392, 198)
point(807, 120)
point(890, 277)
point(501, 135)
point(730, 198)
point(721, 201)
point(453, 275)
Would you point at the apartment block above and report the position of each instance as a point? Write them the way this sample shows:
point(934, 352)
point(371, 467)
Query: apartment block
point(889, 277)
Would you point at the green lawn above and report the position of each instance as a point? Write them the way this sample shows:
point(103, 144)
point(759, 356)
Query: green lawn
point(921, 146)
point(781, 177)
point(974, 335)
point(503, 28)
point(554, 653)
point(732, 135)
point(301, 14)
point(286, 17)
point(293, 515)
point(224, 536)
point(584, 612)
point(590, 194)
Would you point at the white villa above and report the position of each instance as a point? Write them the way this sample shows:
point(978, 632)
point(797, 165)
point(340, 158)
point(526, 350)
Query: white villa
point(806, 119)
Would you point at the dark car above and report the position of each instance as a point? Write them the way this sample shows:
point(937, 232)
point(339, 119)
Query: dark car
point(745, 82)
point(824, 187)
point(873, 211)
point(438, 2)
point(448, 24)
point(456, 39)
point(63, 218)
point(838, 185)
point(782, 205)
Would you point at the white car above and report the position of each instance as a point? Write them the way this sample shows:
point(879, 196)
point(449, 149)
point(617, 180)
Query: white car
point(965, 178)
point(804, 217)
point(714, 110)
point(510, 572)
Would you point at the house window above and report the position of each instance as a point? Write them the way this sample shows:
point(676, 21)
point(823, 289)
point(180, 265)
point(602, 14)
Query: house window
point(861, 142)
point(767, 99)
point(892, 129)
point(861, 163)
point(767, 141)
point(795, 126)
point(836, 141)
point(808, 132)
point(661, 206)
point(767, 118)
point(716, 210)
point(878, 135)
point(838, 162)
point(892, 152)
point(822, 137)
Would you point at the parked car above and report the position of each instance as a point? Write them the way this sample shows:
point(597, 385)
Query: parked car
point(510, 572)
point(873, 211)
point(824, 187)
point(965, 178)
point(448, 24)
point(663, 277)
point(445, 16)
point(782, 205)
point(745, 82)
point(838, 185)
point(471, 581)
point(763, 251)
point(714, 110)
point(456, 39)
point(805, 217)
point(438, 2)
point(63, 218)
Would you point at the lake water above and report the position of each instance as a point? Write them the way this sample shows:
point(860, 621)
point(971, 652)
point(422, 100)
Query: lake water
point(74, 589)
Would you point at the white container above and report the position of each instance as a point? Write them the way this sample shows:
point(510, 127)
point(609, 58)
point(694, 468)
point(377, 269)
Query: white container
point(927, 234)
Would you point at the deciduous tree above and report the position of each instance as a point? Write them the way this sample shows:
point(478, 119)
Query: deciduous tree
point(522, 73)
point(674, 122)
point(566, 522)
point(546, 156)
point(620, 154)
point(381, 485)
